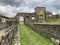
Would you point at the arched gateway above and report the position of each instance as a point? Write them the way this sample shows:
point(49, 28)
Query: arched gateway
point(28, 17)
point(37, 16)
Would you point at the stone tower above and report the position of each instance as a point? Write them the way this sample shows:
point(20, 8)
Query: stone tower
point(40, 12)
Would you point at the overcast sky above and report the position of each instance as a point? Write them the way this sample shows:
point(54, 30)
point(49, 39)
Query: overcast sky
point(11, 7)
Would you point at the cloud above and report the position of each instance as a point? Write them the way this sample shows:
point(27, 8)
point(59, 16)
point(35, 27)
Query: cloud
point(10, 2)
point(56, 4)
point(7, 10)
point(11, 7)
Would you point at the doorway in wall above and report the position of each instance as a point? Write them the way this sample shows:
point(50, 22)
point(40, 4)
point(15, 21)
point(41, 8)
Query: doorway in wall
point(21, 19)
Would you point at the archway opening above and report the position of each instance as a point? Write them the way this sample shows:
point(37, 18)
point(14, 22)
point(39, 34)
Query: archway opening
point(21, 19)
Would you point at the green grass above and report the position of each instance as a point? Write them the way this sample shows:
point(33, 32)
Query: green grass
point(29, 37)
point(53, 20)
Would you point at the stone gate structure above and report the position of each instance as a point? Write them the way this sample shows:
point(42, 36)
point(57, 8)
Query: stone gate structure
point(38, 15)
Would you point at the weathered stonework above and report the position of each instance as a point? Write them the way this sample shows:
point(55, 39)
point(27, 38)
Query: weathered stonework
point(39, 15)
point(8, 30)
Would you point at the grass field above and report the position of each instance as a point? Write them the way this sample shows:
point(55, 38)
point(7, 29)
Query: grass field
point(29, 37)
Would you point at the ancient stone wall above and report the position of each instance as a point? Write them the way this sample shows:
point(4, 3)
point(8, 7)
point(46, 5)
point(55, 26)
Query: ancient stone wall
point(7, 37)
point(47, 30)
point(8, 31)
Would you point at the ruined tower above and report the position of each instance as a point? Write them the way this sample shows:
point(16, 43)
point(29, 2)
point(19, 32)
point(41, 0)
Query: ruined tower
point(40, 12)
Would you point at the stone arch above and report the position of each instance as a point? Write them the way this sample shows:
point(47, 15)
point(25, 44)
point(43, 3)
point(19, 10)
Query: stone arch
point(27, 17)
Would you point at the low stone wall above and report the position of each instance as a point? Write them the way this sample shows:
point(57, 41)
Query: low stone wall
point(47, 30)
point(7, 37)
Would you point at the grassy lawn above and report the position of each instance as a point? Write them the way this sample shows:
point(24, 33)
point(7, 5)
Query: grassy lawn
point(29, 37)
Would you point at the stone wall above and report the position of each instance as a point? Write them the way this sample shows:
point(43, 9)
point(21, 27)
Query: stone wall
point(8, 31)
point(7, 37)
point(47, 30)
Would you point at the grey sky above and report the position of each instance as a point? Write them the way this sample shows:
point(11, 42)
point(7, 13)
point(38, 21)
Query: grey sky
point(11, 7)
